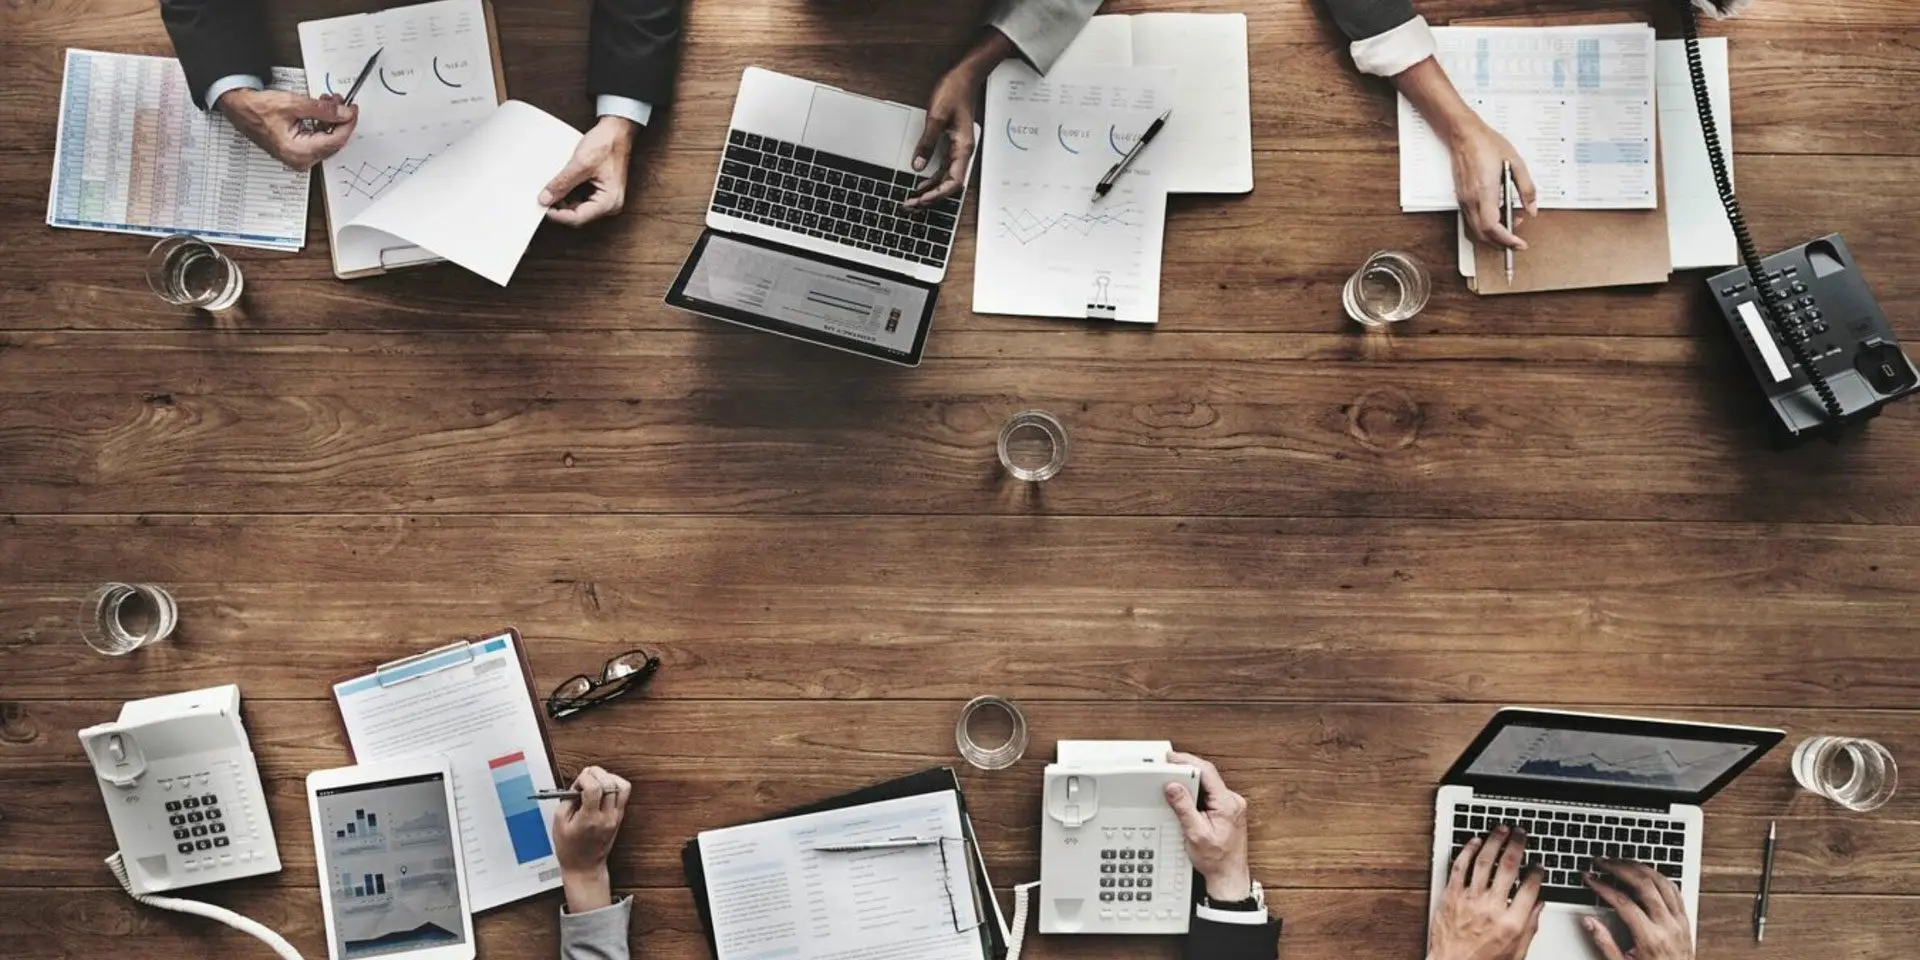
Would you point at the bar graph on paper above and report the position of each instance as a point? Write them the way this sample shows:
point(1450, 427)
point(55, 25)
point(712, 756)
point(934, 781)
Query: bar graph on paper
point(134, 155)
point(526, 827)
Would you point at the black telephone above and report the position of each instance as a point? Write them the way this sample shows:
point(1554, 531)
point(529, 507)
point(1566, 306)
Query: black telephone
point(1842, 363)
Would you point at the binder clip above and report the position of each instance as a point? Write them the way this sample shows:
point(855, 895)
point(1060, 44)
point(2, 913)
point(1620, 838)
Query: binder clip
point(1101, 306)
point(399, 671)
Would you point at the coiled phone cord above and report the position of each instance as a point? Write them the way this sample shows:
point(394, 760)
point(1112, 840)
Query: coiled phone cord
point(252, 928)
point(1018, 935)
point(1749, 254)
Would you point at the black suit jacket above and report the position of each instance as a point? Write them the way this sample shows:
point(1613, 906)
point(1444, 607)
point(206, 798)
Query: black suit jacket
point(636, 44)
point(1207, 940)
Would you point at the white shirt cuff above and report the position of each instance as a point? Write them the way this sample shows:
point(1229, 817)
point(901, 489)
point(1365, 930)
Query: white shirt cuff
point(224, 85)
point(608, 105)
point(1252, 918)
point(1389, 54)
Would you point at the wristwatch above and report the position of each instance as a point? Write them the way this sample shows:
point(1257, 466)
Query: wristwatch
point(1256, 902)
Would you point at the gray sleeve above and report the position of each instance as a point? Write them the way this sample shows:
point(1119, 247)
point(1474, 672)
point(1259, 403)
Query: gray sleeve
point(597, 934)
point(1361, 19)
point(1042, 29)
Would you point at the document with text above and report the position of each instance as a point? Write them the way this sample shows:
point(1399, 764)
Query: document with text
point(775, 894)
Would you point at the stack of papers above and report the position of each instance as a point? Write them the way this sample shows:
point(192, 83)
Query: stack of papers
point(1576, 102)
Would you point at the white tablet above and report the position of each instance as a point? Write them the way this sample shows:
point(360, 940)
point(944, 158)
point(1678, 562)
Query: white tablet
point(392, 880)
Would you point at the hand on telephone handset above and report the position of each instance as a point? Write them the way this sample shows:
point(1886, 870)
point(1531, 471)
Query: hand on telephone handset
point(1216, 833)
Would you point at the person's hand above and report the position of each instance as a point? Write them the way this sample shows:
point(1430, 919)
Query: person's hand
point(950, 114)
point(583, 833)
point(599, 165)
point(1651, 907)
point(273, 119)
point(1475, 920)
point(1216, 836)
point(1478, 153)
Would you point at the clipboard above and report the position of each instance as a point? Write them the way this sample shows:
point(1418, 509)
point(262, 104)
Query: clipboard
point(1579, 249)
point(993, 933)
point(398, 258)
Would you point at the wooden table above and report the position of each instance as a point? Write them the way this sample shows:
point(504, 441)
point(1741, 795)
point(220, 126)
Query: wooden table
point(1319, 558)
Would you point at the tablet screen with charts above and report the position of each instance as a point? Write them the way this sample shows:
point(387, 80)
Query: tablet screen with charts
point(807, 296)
point(391, 875)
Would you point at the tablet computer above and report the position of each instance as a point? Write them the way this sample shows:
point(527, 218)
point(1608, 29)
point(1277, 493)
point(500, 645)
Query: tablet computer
point(806, 295)
point(393, 882)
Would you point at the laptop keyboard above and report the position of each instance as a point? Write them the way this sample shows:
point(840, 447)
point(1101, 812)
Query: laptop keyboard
point(834, 198)
point(1564, 843)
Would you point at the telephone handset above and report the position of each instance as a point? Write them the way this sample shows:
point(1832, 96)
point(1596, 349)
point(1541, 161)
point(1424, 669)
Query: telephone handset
point(1842, 363)
point(1112, 855)
point(184, 796)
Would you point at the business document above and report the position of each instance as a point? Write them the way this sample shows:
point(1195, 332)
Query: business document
point(134, 155)
point(774, 895)
point(1577, 103)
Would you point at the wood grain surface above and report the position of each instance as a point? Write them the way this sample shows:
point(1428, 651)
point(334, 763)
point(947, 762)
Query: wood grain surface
point(1320, 558)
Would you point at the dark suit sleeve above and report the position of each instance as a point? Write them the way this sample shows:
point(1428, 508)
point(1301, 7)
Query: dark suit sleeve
point(216, 39)
point(1361, 19)
point(636, 49)
point(1208, 940)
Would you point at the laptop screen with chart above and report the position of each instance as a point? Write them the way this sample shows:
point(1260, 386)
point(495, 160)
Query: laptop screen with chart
point(1591, 756)
point(1047, 246)
point(434, 82)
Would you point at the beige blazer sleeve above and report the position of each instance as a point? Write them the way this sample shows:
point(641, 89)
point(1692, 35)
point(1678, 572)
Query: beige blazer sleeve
point(1042, 29)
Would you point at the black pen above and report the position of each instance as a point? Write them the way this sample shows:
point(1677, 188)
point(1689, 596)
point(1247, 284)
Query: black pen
point(311, 125)
point(555, 795)
point(1507, 200)
point(1766, 885)
point(1153, 130)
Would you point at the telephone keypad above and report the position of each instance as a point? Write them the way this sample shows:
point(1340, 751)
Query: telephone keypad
point(185, 848)
point(173, 806)
point(176, 820)
point(180, 834)
point(1108, 868)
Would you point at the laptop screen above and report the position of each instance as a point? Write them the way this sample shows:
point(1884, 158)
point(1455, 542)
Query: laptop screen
point(811, 297)
point(1598, 758)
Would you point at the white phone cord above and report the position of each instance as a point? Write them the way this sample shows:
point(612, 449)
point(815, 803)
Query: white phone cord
point(1019, 931)
point(250, 927)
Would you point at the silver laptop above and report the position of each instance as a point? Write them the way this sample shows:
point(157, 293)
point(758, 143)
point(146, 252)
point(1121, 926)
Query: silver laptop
point(806, 233)
point(1586, 787)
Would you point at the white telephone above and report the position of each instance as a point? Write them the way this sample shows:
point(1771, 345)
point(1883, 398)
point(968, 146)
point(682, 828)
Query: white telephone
point(1112, 856)
point(184, 796)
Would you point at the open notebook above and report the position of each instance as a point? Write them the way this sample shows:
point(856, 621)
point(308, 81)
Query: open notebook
point(1207, 146)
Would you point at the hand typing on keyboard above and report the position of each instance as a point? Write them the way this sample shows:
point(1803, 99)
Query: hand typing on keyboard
point(1649, 904)
point(1482, 916)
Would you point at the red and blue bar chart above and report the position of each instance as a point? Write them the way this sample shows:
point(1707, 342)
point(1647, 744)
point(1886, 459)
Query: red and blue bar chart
point(513, 781)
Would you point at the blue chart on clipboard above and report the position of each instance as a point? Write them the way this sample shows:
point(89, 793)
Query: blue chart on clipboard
point(514, 782)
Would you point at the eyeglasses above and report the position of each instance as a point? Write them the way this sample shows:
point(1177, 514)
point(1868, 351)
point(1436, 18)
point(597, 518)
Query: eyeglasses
point(622, 675)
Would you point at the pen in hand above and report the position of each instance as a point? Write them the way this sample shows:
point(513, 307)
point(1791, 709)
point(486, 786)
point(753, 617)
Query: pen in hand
point(1113, 173)
point(1507, 200)
point(311, 125)
point(555, 795)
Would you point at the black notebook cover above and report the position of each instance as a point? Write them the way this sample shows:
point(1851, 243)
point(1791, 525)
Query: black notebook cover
point(932, 780)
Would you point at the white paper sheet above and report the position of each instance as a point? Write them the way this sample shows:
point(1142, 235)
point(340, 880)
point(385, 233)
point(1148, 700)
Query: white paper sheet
point(478, 203)
point(478, 714)
point(773, 895)
point(1576, 102)
point(1697, 226)
point(433, 84)
point(1047, 247)
point(1208, 145)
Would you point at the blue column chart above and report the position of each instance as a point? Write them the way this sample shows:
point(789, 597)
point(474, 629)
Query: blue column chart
point(527, 828)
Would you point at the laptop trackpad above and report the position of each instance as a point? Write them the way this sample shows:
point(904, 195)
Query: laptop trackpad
point(854, 126)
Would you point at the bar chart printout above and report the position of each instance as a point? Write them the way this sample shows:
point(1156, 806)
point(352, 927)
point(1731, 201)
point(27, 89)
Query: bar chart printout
point(527, 828)
point(134, 155)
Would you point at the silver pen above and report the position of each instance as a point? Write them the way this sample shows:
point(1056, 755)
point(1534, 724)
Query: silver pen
point(1113, 173)
point(1507, 199)
point(894, 843)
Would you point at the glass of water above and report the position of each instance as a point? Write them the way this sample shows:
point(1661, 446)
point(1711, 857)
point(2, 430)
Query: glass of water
point(119, 618)
point(1033, 445)
point(1390, 287)
point(187, 271)
point(1854, 773)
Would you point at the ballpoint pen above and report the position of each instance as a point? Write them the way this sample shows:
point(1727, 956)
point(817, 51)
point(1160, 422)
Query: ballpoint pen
point(311, 125)
point(1113, 173)
point(1506, 209)
point(1766, 884)
point(893, 843)
point(554, 795)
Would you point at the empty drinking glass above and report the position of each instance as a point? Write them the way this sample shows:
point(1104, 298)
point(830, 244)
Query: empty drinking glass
point(1390, 287)
point(119, 618)
point(1854, 773)
point(1033, 445)
point(187, 271)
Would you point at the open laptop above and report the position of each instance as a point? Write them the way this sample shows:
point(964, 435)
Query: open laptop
point(806, 235)
point(1585, 787)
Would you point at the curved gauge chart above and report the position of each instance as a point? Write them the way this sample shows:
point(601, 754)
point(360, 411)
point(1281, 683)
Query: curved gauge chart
point(453, 72)
point(402, 74)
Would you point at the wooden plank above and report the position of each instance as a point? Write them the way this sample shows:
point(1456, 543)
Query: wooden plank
point(1342, 793)
point(1056, 642)
point(756, 425)
point(1361, 925)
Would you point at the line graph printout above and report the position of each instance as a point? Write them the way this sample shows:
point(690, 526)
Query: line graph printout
point(1608, 759)
point(1047, 247)
point(434, 83)
point(1576, 102)
point(134, 155)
